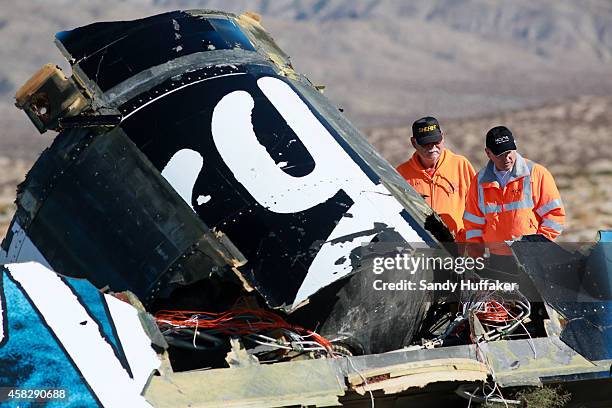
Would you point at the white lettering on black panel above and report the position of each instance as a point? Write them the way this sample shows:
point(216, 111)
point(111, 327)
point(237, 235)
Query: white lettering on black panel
point(182, 172)
point(254, 168)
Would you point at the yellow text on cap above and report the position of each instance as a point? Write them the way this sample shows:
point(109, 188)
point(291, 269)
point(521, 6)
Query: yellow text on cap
point(427, 128)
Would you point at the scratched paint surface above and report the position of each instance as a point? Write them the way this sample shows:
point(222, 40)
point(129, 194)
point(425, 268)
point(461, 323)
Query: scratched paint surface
point(31, 357)
point(105, 52)
point(62, 334)
point(253, 153)
point(272, 166)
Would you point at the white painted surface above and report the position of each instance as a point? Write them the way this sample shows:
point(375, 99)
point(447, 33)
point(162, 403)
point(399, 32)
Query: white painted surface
point(369, 207)
point(136, 344)
point(90, 352)
point(182, 172)
point(253, 167)
point(203, 199)
point(373, 202)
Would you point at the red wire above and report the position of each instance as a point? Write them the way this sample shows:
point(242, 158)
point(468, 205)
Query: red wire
point(236, 321)
point(495, 312)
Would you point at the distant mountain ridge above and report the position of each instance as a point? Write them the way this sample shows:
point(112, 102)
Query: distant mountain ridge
point(543, 27)
point(386, 62)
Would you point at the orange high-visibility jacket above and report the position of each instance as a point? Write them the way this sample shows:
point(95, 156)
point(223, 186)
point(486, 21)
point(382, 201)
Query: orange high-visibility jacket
point(446, 189)
point(529, 204)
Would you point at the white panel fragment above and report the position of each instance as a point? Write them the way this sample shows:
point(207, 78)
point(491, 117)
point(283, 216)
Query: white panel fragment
point(373, 202)
point(136, 344)
point(203, 199)
point(182, 172)
point(233, 134)
point(327, 271)
point(253, 167)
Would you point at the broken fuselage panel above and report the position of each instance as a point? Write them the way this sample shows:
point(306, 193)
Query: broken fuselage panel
point(215, 120)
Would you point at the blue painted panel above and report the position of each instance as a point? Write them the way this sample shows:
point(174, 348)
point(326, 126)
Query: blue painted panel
point(30, 355)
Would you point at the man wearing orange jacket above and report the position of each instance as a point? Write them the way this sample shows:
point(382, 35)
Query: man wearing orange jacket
point(439, 175)
point(511, 197)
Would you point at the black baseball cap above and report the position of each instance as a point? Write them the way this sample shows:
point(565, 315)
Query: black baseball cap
point(500, 140)
point(427, 130)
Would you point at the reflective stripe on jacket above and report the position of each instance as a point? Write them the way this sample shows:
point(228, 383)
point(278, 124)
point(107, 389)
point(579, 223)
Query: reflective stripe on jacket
point(529, 204)
point(446, 189)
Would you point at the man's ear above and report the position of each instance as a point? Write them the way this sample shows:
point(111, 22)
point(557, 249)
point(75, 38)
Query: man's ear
point(413, 141)
point(488, 152)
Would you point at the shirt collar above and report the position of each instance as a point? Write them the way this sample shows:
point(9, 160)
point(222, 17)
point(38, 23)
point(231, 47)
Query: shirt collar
point(520, 169)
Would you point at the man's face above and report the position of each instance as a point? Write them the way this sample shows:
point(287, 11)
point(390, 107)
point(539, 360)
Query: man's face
point(430, 151)
point(504, 161)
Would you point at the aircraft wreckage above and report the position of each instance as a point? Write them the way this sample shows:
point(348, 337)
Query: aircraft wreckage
point(204, 206)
